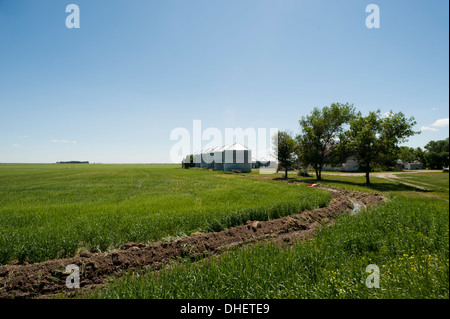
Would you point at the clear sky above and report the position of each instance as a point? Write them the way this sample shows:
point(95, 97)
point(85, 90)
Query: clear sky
point(114, 89)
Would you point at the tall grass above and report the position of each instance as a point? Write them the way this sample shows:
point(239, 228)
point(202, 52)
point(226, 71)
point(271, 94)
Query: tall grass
point(52, 211)
point(408, 239)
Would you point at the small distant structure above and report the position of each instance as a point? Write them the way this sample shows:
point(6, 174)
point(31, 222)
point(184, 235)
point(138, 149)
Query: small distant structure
point(254, 163)
point(73, 162)
point(350, 165)
point(227, 158)
point(445, 170)
point(399, 165)
point(260, 163)
point(413, 166)
point(188, 161)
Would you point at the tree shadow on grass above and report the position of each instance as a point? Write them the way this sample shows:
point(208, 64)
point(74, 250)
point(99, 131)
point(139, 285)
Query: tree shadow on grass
point(289, 179)
point(376, 186)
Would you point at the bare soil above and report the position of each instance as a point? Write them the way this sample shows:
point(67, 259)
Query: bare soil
point(41, 280)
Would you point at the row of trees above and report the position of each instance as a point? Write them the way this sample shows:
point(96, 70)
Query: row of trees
point(434, 156)
point(329, 135)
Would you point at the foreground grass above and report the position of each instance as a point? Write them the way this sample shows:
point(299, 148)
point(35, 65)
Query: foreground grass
point(52, 211)
point(407, 238)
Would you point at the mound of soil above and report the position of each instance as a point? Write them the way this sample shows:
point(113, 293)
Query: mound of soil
point(49, 277)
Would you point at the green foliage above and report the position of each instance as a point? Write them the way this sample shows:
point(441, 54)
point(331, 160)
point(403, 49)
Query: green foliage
point(407, 154)
point(437, 155)
point(420, 155)
point(320, 132)
point(374, 139)
point(285, 150)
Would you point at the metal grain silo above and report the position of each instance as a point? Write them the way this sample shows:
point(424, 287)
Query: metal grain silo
point(219, 158)
point(209, 159)
point(197, 159)
point(238, 157)
point(203, 163)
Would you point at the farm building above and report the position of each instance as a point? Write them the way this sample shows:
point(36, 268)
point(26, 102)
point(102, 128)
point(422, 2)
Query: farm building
point(204, 155)
point(226, 158)
point(412, 166)
point(350, 165)
point(399, 165)
point(258, 163)
point(209, 158)
point(238, 157)
point(186, 163)
point(254, 164)
point(197, 158)
point(219, 158)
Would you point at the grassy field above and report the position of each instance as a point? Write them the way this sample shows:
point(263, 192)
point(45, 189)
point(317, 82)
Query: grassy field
point(407, 238)
point(436, 184)
point(52, 211)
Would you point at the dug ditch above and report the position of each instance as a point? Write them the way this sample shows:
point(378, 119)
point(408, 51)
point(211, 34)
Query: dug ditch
point(44, 279)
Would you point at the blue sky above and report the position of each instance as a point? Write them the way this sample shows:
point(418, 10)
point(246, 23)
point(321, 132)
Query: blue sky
point(113, 90)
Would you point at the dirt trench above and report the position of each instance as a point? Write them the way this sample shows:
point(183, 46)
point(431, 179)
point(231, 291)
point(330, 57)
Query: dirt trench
point(44, 279)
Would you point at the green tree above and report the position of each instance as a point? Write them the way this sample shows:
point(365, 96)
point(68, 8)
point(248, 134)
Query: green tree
point(407, 154)
point(437, 154)
point(420, 154)
point(374, 140)
point(319, 138)
point(285, 150)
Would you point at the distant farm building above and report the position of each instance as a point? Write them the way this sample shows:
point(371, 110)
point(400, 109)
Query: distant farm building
point(197, 158)
point(227, 158)
point(411, 166)
point(238, 157)
point(211, 157)
point(350, 165)
point(260, 163)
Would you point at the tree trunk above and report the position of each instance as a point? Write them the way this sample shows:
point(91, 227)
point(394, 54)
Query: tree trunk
point(285, 172)
point(367, 177)
point(318, 177)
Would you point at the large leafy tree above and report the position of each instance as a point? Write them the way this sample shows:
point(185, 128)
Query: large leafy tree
point(285, 150)
point(320, 136)
point(374, 139)
point(437, 154)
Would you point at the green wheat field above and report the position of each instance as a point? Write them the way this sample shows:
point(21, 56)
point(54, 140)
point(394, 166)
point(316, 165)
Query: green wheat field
point(54, 211)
